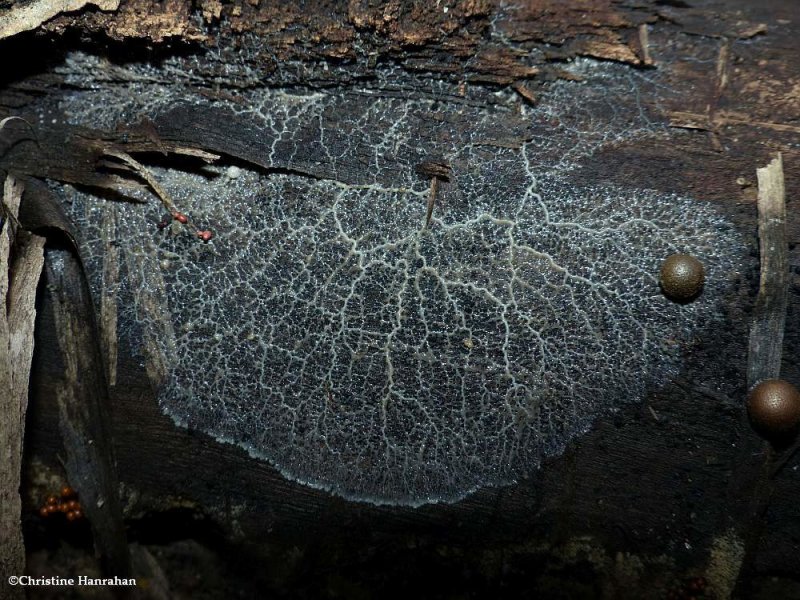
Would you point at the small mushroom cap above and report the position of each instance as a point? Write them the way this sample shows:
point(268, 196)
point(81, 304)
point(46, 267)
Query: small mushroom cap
point(774, 408)
point(682, 277)
point(435, 168)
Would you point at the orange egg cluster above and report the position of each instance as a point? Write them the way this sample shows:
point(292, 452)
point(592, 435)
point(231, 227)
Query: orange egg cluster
point(66, 503)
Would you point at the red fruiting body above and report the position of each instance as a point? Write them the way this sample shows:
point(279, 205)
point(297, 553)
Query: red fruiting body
point(52, 500)
point(180, 217)
point(71, 516)
point(67, 492)
point(77, 514)
point(205, 235)
point(73, 505)
point(44, 511)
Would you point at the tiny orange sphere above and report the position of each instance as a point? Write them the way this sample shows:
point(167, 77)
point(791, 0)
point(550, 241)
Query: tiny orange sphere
point(73, 505)
point(180, 217)
point(44, 511)
point(71, 516)
point(68, 492)
point(205, 235)
point(52, 500)
point(77, 514)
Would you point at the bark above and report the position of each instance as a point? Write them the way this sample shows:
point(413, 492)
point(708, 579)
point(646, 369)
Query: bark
point(21, 259)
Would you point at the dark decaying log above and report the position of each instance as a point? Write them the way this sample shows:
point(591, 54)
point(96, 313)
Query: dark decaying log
point(654, 494)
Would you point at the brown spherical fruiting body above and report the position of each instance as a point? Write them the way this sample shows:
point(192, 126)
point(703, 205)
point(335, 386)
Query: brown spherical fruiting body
point(774, 409)
point(682, 277)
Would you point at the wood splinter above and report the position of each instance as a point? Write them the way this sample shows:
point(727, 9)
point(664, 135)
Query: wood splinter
point(437, 171)
point(21, 260)
point(772, 412)
point(767, 328)
point(205, 235)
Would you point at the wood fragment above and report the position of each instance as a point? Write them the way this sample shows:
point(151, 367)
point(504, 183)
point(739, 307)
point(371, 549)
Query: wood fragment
point(525, 92)
point(753, 31)
point(437, 171)
point(24, 17)
point(431, 202)
point(83, 404)
point(723, 60)
point(644, 42)
point(764, 362)
point(19, 278)
point(690, 120)
point(206, 156)
point(110, 289)
point(145, 174)
point(5, 121)
point(720, 83)
point(767, 328)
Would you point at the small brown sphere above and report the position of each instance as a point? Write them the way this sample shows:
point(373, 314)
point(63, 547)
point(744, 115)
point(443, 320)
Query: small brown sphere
point(682, 277)
point(774, 409)
point(52, 500)
point(67, 492)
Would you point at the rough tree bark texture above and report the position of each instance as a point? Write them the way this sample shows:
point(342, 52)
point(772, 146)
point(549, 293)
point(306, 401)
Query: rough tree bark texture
point(656, 494)
point(21, 259)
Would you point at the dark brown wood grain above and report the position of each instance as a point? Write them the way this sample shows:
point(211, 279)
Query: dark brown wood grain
point(83, 404)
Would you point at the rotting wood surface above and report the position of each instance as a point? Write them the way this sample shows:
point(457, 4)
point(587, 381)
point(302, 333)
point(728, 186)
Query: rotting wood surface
point(658, 479)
